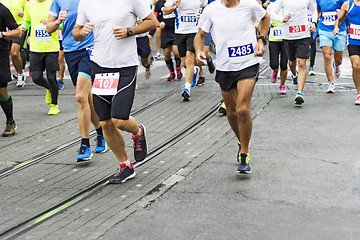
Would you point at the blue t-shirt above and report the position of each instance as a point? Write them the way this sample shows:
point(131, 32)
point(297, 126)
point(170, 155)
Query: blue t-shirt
point(328, 14)
point(68, 43)
point(354, 23)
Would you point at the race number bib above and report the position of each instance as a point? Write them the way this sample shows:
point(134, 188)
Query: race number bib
point(297, 28)
point(355, 31)
point(278, 33)
point(329, 18)
point(188, 18)
point(105, 84)
point(41, 34)
point(240, 51)
point(90, 51)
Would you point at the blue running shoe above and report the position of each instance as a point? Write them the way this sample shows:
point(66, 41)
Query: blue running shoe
point(244, 166)
point(294, 79)
point(101, 145)
point(61, 84)
point(299, 99)
point(195, 79)
point(84, 154)
point(186, 95)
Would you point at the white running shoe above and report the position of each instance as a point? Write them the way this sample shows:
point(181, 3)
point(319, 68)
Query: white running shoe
point(331, 88)
point(20, 81)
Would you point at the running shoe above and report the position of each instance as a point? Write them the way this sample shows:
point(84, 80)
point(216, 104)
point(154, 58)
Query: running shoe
point(294, 79)
point(211, 66)
point(85, 153)
point(48, 97)
point(151, 61)
point(158, 56)
point(179, 73)
point(20, 81)
point(186, 95)
point(147, 73)
point(337, 70)
point(238, 160)
point(140, 145)
point(222, 108)
point(357, 102)
point(101, 145)
point(273, 77)
point(299, 98)
point(331, 88)
point(61, 84)
point(171, 78)
point(244, 166)
point(201, 81)
point(10, 129)
point(282, 90)
point(54, 110)
point(195, 78)
point(15, 75)
point(122, 174)
point(311, 71)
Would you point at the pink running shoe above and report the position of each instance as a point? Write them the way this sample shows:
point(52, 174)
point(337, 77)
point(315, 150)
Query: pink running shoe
point(273, 77)
point(357, 102)
point(282, 90)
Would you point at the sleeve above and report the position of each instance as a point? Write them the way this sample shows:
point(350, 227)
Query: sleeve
point(27, 17)
point(258, 11)
point(9, 20)
point(23, 4)
point(157, 9)
point(141, 9)
point(205, 23)
point(275, 9)
point(169, 3)
point(313, 10)
point(54, 8)
point(318, 5)
point(81, 17)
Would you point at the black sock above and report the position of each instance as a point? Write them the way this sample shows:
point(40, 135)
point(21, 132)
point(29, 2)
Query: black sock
point(99, 131)
point(170, 65)
point(178, 62)
point(7, 106)
point(85, 141)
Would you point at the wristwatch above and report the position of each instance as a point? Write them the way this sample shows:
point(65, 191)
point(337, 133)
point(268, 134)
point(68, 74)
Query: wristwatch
point(129, 32)
point(263, 38)
point(3, 34)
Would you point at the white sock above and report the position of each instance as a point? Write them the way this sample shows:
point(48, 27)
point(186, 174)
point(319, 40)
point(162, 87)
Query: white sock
point(128, 163)
point(138, 132)
point(188, 86)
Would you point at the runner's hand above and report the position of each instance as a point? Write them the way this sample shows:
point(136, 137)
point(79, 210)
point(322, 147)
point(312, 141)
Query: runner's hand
point(201, 58)
point(62, 16)
point(20, 14)
point(22, 28)
point(336, 30)
point(287, 18)
point(87, 29)
point(312, 28)
point(43, 21)
point(177, 3)
point(259, 48)
point(120, 32)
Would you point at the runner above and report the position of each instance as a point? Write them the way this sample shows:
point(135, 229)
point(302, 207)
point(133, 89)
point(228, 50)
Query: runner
point(44, 51)
point(352, 9)
point(168, 40)
point(78, 60)
point(231, 24)
point(296, 37)
point(17, 8)
point(114, 71)
point(276, 50)
point(328, 10)
point(144, 51)
point(61, 72)
point(185, 29)
point(7, 22)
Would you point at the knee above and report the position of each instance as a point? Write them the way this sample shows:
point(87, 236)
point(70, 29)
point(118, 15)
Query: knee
point(120, 124)
point(274, 66)
point(107, 125)
point(14, 54)
point(327, 57)
point(242, 112)
point(302, 64)
point(81, 98)
point(356, 68)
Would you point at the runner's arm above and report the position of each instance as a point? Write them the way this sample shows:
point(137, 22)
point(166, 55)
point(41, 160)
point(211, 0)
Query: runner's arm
point(263, 29)
point(341, 16)
point(12, 34)
point(168, 10)
point(199, 45)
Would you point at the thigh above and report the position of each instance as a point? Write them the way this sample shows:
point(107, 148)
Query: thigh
point(290, 49)
point(274, 52)
point(5, 74)
point(181, 41)
point(52, 61)
point(37, 61)
point(302, 48)
point(340, 42)
point(354, 50)
point(190, 43)
point(143, 47)
point(284, 58)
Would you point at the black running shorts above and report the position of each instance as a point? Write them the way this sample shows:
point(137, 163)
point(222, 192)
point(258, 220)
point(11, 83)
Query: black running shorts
point(5, 75)
point(354, 50)
point(48, 61)
point(297, 48)
point(118, 106)
point(143, 47)
point(168, 38)
point(228, 79)
point(185, 43)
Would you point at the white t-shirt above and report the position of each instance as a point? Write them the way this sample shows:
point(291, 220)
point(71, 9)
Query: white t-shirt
point(108, 51)
point(233, 32)
point(298, 25)
point(185, 20)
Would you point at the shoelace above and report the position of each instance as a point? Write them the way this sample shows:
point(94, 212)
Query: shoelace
point(82, 150)
point(121, 168)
